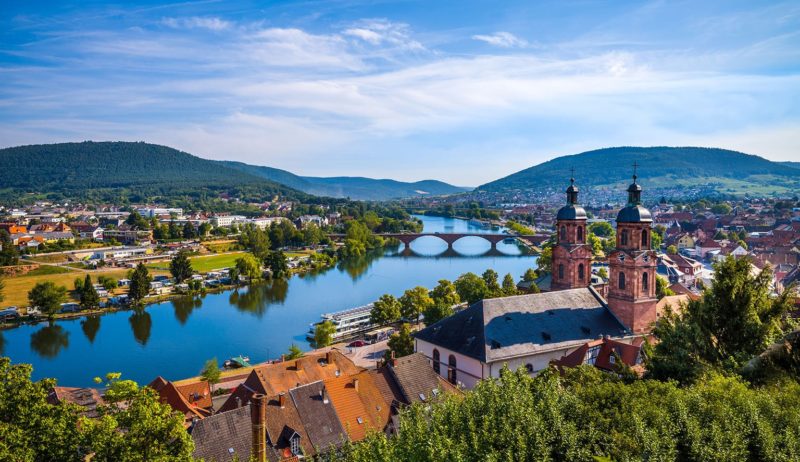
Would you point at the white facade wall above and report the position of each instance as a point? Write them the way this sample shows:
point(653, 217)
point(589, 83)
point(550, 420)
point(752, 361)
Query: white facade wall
point(468, 370)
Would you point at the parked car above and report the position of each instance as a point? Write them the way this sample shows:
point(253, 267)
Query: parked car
point(357, 344)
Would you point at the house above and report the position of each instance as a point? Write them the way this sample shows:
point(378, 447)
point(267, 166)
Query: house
point(192, 400)
point(87, 398)
point(87, 231)
point(604, 354)
point(704, 246)
point(310, 419)
point(523, 331)
point(128, 235)
point(271, 379)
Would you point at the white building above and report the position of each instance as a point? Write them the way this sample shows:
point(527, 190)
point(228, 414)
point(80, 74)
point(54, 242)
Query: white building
point(227, 220)
point(523, 331)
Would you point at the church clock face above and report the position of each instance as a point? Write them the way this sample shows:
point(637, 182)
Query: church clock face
point(646, 258)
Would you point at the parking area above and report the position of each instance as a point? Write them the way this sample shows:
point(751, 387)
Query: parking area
point(366, 356)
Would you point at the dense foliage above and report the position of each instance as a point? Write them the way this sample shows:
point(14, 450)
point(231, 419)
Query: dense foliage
point(140, 429)
point(588, 413)
point(109, 171)
point(661, 166)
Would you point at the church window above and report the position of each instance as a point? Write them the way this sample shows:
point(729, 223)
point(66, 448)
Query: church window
point(529, 368)
point(563, 233)
point(436, 360)
point(645, 283)
point(580, 271)
point(622, 281)
point(451, 371)
point(580, 233)
point(561, 271)
point(644, 238)
point(623, 240)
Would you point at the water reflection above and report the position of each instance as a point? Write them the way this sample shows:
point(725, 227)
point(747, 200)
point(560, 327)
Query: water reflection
point(2, 344)
point(357, 266)
point(256, 298)
point(90, 325)
point(184, 306)
point(141, 323)
point(48, 341)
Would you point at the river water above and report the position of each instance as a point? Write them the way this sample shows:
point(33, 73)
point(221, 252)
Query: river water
point(175, 338)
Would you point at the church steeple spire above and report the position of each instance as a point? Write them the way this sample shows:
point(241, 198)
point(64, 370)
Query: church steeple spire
point(572, 190)
point(634, 190)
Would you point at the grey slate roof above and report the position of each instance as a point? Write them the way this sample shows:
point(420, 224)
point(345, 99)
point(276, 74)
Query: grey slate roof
point(634, 214)
point(500, 328)
point(415, 376)
point(226, 437)
point(571, 212)
point(319, 419)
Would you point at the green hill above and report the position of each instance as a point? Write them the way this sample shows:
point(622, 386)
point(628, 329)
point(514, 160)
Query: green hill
point(102, 169)
point(719, 170)
point(353, 187)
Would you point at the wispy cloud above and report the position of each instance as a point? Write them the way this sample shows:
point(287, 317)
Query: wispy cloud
point(383, 31)
point(502, 40)
point(197, 22)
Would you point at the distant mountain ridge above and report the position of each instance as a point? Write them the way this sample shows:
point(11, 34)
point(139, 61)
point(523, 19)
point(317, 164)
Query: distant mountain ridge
point(723, 170)
point(81, 169)
point(78, 169)
point(353, 187)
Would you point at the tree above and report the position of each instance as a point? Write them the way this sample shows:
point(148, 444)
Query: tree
point(471, 287)
point(211, 373)
point(143, 429)
point(530, 275)
point(509, 286)
point(601, 229)
point(255, 240)
point(414, 302)
point(323, 334)
point(78, 285)
point(662, 288)
point(312, 235)
point(204, 229)
point(234, 274)
point(140, 284)
point(48, 297)
point(385, 310)
point(672, 250)
point(188, 231)
point(545, 260)
point(401, 343)
point(603, 273)
point(108, 282)
point(294, 352)
point(88, 295)
point(277, 264)
point(9, 253)
point(445, 294)
point(249, 267)
point(137, 221)
point(736, 319)
point(721, 209)
point(436, 313)
point(180, 266)
point(493, 288)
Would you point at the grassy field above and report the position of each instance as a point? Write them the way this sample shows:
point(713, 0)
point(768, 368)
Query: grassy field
point(17, 288)
point(45, 270)
point(229, 245)
point(205, 263)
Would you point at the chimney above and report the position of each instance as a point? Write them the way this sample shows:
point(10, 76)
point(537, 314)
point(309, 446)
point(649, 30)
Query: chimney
point(329, 357)
point(355, 384)
point(283, 358)
point(324, 395)
point(282, 400)
point(258, 419)
point(297, 365)
point(394, 360)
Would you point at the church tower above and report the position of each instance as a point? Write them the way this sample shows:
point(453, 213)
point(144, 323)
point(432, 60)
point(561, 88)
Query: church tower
point(632, 265)
point(572, 256)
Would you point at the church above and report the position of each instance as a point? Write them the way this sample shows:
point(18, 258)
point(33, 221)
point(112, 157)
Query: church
point(574, 322)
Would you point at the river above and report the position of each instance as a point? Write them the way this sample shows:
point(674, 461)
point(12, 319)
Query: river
point(175, 338)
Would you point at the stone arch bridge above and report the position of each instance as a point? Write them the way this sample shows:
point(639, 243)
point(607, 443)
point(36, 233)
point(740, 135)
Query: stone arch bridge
point(451, 238)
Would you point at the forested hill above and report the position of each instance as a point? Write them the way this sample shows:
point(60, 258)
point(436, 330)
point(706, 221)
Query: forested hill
point(359, 188)
point(721, 170)
point(102, 169)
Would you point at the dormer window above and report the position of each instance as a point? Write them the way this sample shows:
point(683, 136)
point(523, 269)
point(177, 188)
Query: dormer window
point(294, 444)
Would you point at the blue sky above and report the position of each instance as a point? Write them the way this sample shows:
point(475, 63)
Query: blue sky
point(464, 91)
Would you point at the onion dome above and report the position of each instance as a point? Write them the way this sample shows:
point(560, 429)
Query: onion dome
point(634, 212)
point(571, 211)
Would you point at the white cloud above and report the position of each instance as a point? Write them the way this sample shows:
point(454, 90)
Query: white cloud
point(502, 40)
point(197, 22)
point(383, 31)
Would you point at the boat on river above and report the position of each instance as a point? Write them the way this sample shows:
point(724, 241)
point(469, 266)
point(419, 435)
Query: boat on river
point(348, 323)
point(237, 362)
